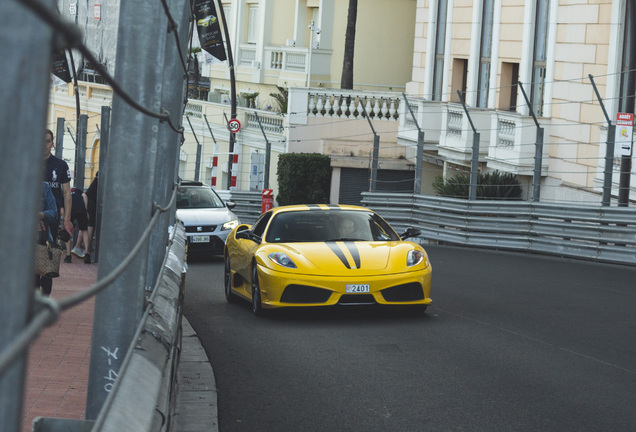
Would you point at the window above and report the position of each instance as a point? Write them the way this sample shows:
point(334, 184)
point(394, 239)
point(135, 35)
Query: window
point(261, 223)
point(440, 36)
point(460, 73)
point(252, 24)
point(485, 54)
point(89, 74)
point(539, 56)
point(509, 83)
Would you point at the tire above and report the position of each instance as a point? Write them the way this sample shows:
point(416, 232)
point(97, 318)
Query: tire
point(257, 305)
point(227, 274)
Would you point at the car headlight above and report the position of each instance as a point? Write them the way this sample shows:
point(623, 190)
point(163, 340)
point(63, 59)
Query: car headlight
point(282, 259)
point(414, 257)
point(230, 225)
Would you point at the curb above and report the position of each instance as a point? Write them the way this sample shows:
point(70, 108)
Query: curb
point(196, 405)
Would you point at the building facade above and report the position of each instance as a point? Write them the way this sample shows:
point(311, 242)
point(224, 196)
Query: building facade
point(491, 52)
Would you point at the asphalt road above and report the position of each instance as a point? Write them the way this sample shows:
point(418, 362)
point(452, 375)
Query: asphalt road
point(512, 342)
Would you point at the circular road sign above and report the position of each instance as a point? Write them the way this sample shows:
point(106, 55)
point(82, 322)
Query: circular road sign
point(234, 125)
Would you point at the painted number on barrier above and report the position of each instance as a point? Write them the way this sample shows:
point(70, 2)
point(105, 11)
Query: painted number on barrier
point(112, 374)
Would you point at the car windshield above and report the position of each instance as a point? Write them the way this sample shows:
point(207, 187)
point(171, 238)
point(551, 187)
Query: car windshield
point(198, 197)
point(328, 225)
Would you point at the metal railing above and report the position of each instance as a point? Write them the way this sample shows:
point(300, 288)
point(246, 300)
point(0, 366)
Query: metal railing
point(604, 234)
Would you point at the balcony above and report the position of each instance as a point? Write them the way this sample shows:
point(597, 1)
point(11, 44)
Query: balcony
point(429, 118)
point(283, 63)
point(456, 137)
point(343, 104)
point(512, 145)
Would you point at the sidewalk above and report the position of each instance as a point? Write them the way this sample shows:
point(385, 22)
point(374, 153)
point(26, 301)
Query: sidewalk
point(59, 361)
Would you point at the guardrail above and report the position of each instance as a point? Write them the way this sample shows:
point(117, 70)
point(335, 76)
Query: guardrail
point(604, 234)
point(248, 205)
point(147, 378)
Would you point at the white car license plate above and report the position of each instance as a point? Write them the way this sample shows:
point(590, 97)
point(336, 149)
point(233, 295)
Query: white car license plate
point(357, 288)
point(200, 239)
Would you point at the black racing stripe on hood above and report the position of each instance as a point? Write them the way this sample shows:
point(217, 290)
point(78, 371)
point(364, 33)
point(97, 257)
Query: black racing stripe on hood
point(336, 250)
point(355, 253)
point(314, 207)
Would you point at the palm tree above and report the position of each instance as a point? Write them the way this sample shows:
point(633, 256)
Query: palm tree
point(346, 81)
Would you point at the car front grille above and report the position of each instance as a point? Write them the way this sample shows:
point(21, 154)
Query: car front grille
point(357, 299)
point(203, 229)
point(304, 294)
point(403, 293)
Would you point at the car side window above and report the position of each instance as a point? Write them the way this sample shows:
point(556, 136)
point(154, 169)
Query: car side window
point(259, 226)
point(381, 230)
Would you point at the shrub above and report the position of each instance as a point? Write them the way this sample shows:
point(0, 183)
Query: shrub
point(490, 186)
point(303, 178)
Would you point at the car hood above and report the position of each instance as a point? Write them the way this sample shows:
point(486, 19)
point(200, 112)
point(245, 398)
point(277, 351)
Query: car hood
point(205, 216)
point(344, 258)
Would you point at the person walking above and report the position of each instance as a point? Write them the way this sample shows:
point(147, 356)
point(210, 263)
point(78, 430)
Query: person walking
point(91, 196)
point(58, 176)
point(79, 215)
point(49, 217)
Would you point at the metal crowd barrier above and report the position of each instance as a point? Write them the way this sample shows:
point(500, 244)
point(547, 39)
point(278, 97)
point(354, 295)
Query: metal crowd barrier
point(604, 234)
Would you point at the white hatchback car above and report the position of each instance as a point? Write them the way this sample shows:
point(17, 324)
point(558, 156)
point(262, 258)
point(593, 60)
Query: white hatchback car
point(207, 219)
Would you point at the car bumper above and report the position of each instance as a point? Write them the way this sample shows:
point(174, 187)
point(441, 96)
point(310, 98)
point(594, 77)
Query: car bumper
point(281, 289)
point(206, 243)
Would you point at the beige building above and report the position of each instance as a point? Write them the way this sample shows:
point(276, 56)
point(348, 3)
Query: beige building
point(296, 46)
point(483, 49)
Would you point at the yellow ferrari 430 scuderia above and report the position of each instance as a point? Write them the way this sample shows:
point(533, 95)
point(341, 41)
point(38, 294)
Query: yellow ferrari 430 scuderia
point(322, 255)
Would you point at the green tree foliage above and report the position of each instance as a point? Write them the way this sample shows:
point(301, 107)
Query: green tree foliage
point(281, 98)
point(303, 178)
point(490, 186)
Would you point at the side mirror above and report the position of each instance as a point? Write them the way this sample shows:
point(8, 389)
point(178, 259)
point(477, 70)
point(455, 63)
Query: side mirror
point(410, 232)
point(248, 235)
point(230, 204)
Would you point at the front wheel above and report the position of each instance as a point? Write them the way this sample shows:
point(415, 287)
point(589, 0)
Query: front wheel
point(227, 273)
point(257, 305)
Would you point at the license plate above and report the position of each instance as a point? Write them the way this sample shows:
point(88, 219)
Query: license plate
point(357, 288)
point(200, 239)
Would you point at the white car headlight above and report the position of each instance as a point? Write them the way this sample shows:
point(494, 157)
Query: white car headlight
point(414, 257)
point(230, 225)
point(282, 259)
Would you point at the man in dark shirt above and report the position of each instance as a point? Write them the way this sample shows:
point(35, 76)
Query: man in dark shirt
point(58, 175)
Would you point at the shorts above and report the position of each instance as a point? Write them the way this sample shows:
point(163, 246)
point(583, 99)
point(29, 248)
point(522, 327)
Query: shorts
point(82, 220)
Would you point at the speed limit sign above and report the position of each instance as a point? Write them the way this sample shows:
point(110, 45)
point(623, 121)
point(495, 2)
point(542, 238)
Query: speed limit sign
point(234, 125)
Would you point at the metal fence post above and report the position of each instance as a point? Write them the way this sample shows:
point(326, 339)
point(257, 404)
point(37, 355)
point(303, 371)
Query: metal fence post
point(80, 162)
point(23, 40)
point(174, 81)
point(103, 154)
point(538, 151)
point(609, 150)
point(268, 153)
point(474, 167)
point(59, 137)
point(419, 158)
point(373, 175)
point(474, 161)
point(128, 192)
